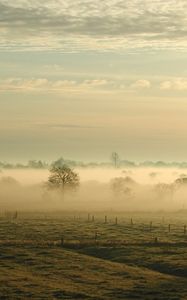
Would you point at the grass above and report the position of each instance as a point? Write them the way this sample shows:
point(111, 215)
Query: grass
point(139, 269)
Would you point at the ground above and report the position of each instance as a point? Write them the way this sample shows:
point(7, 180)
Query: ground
point(97, 260)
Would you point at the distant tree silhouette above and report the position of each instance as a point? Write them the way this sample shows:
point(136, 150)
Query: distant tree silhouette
point(123, 186)
point(36, 164)
point(115, 158)
point(63, 178)
point(181, 181)
point(60, 162)
point(165, 190)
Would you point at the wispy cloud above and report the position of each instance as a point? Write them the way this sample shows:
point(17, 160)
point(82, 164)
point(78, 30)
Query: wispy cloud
point(98, 85)
point(42, 85)
point(45, 85)
point(177, 84)
point(65, 126)
point(86, 25)
point(141, 83)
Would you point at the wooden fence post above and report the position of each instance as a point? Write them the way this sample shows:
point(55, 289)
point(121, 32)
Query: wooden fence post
point(156, 240)
point(151, 225)
point(95, 236)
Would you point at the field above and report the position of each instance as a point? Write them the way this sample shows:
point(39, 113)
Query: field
point(99, 255)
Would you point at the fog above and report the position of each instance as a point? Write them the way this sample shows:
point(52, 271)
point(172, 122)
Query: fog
point(133, 189)
point(103, 175)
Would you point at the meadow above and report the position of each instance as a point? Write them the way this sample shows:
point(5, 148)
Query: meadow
point(93, 255)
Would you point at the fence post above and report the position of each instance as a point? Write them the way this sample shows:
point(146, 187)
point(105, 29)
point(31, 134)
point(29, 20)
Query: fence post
point(156, 240)
point(95, 236)
point(151, 225)
point(105, 219)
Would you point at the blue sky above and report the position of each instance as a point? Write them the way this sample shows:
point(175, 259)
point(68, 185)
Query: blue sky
point(82, 79)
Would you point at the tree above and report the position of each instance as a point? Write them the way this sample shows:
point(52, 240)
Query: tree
point(164, 190)
point(36, 164)
point(63, 178)
point(181, 181)
point(59, 162)
point(115, 159)
point(123, 186)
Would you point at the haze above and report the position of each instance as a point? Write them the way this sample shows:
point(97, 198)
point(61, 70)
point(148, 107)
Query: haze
point(81, 79)
point(93, 149)
point(144, 189)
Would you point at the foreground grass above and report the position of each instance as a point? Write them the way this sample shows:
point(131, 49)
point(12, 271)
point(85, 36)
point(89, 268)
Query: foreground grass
point(35, 271)
point(62, 274)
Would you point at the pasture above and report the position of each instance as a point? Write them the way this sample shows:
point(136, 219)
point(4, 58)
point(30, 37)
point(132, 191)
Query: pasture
point(93, 255)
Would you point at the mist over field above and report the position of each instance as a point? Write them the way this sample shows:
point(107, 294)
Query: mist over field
point(93, 149)
point(120, 189)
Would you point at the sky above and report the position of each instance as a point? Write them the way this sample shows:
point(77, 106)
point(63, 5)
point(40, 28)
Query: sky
point(81, 79)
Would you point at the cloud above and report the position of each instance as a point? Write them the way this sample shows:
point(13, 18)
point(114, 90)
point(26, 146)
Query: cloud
point(177, 84)
point(142, 84)
point(61, 126)
point(92, 25)
point(45, 85)
point(66, 86)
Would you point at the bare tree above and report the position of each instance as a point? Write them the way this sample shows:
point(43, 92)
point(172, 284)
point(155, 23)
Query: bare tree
point(123, 186)
point(115, 159)
point(63, 178)
point(164, 190)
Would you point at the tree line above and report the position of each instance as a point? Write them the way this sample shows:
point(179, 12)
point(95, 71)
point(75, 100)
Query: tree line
point(114, 161)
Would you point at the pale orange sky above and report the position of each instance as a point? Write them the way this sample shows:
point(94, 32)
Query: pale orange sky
point(81, 79)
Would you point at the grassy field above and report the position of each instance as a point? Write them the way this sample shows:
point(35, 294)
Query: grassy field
point(126, 256)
